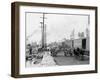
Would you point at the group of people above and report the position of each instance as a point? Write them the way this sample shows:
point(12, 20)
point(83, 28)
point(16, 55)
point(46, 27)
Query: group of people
point(79, 53)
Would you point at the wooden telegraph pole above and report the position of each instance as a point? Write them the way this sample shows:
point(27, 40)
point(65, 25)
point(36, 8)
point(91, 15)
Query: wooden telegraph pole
point(43, 30)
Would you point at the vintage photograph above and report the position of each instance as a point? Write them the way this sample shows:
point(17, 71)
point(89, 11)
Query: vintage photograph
point(55, 39)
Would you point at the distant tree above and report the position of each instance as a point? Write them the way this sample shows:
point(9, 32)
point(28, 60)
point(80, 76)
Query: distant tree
point(81, 34)
point(64, 39)
point(72, 36)
point(87, 32)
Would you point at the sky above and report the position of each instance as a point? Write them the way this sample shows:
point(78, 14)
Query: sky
point(58, 26)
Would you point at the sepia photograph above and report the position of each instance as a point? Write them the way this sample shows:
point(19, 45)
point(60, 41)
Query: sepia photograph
point(54, 39)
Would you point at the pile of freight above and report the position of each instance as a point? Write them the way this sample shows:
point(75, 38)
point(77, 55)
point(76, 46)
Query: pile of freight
point(47, 60)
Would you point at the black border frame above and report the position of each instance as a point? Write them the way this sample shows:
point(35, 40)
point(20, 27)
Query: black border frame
point(15, 38)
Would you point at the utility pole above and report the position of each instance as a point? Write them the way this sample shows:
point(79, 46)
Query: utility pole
point(43, 30)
